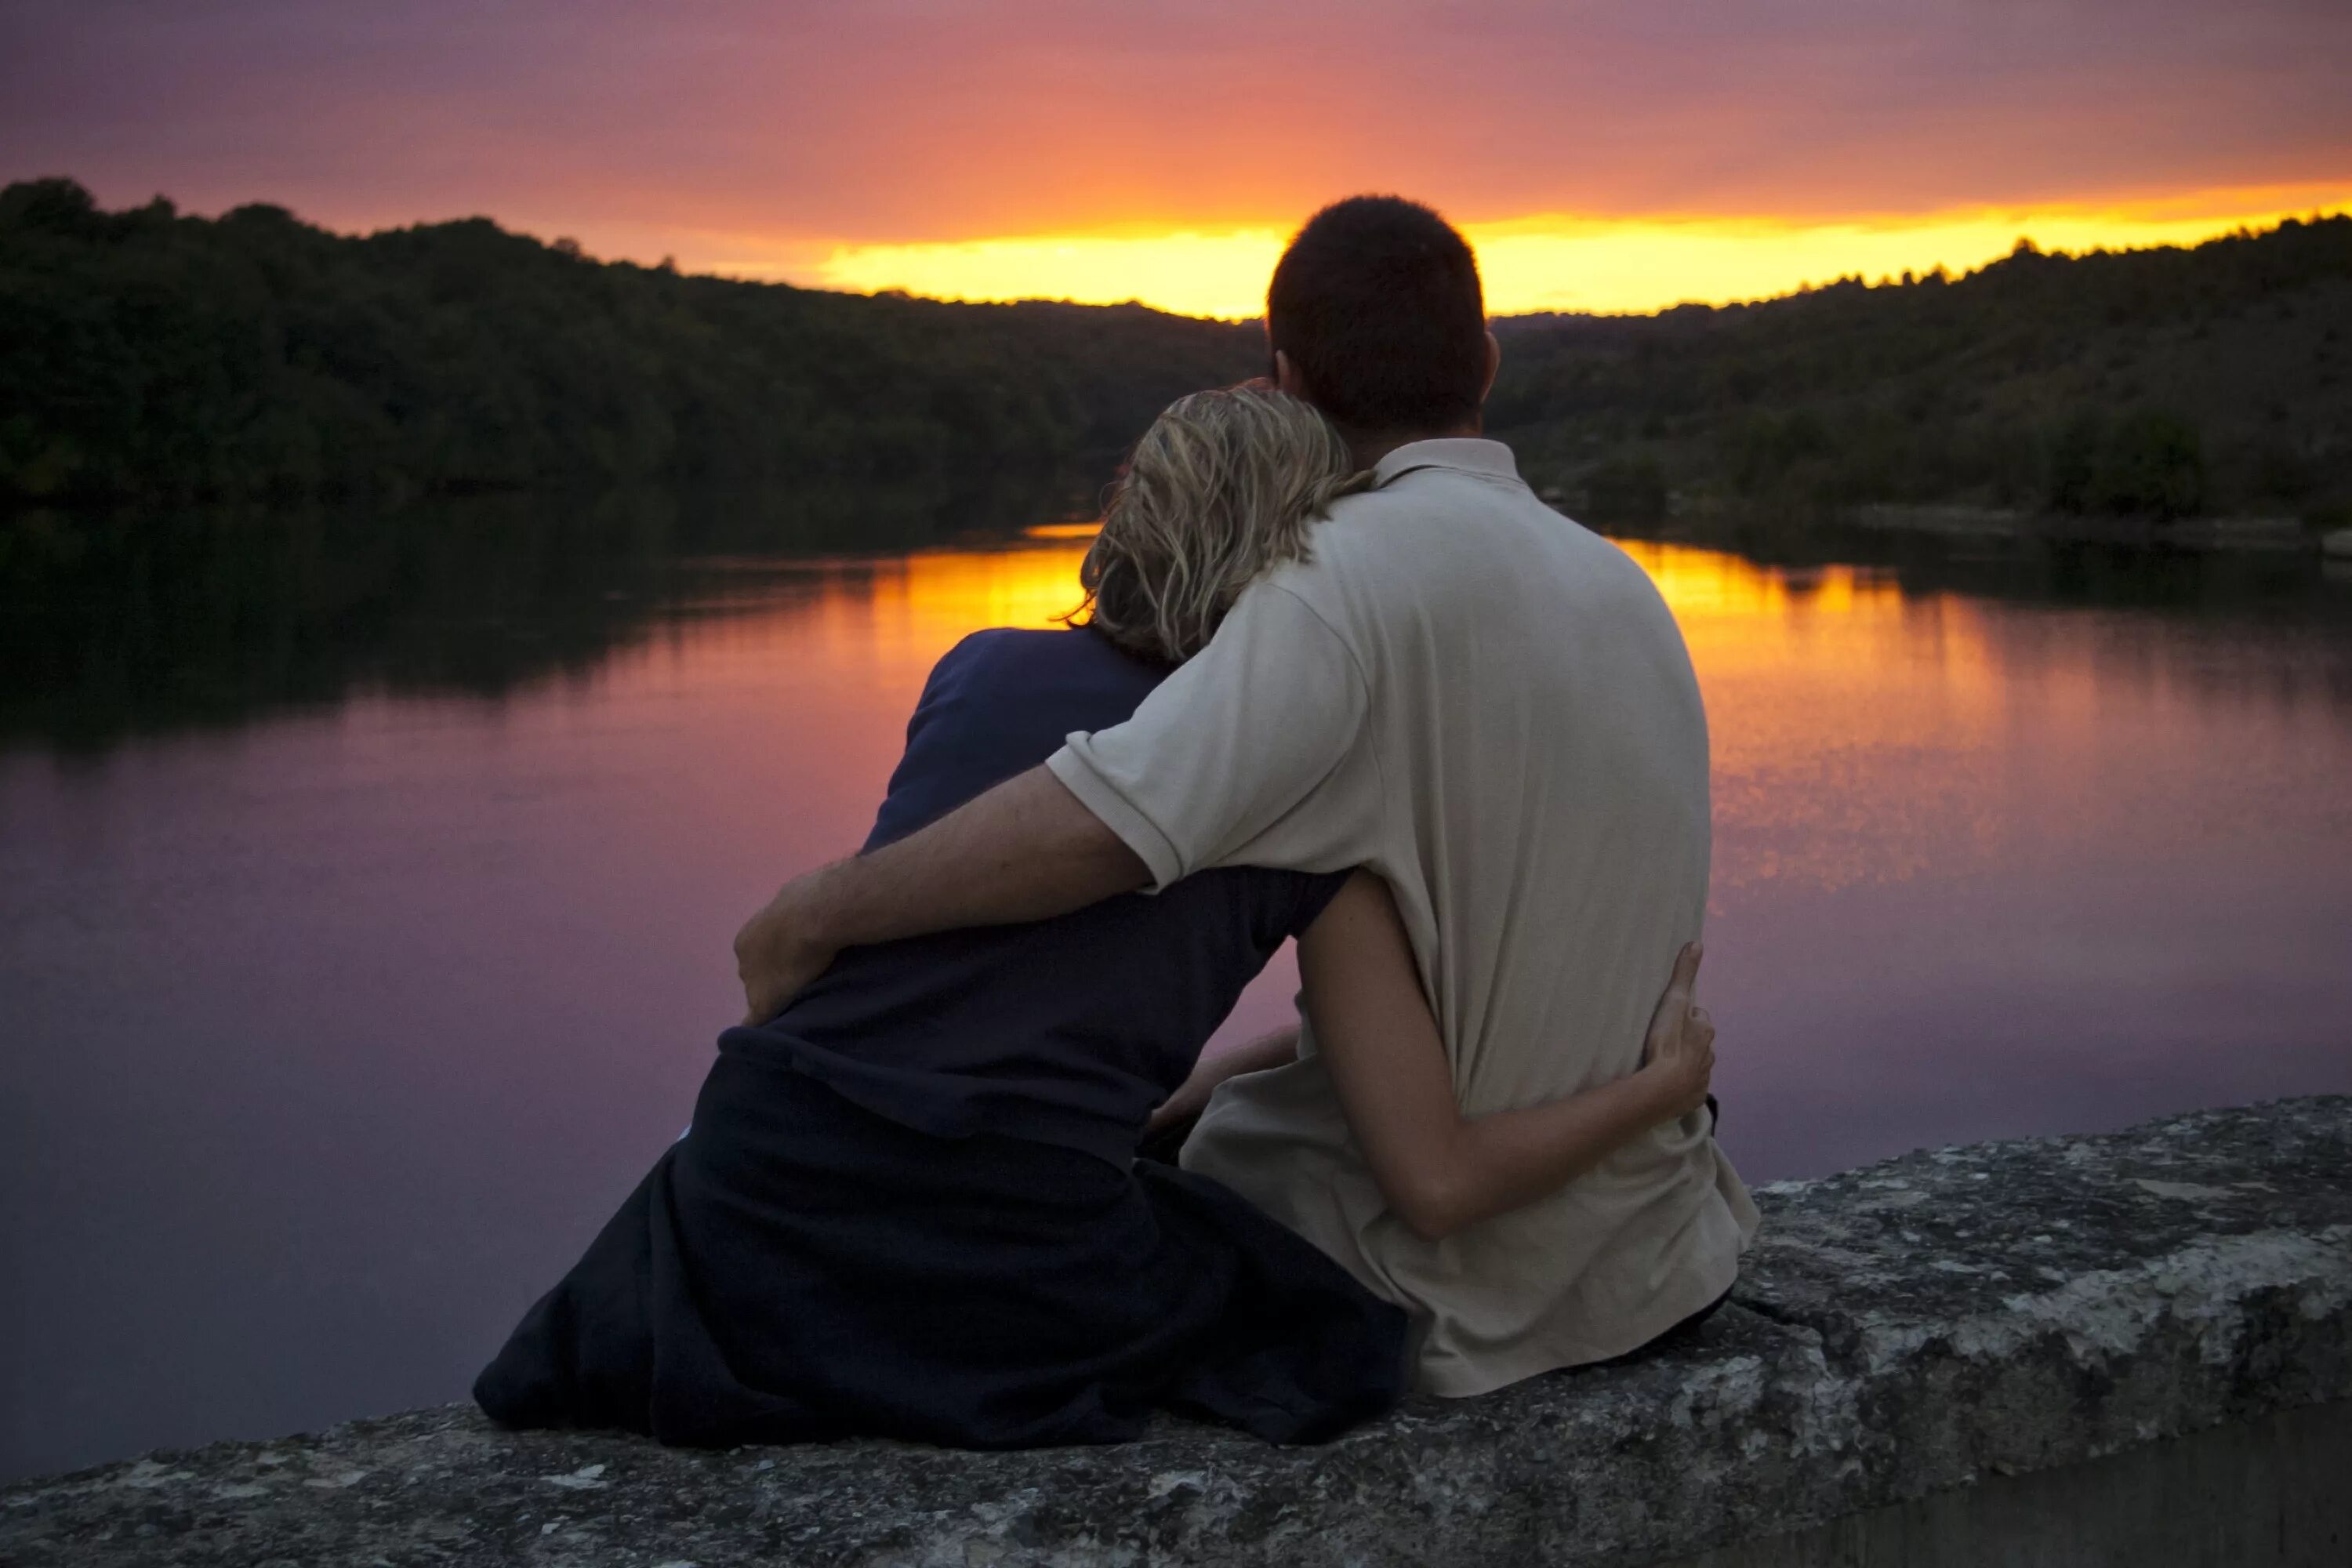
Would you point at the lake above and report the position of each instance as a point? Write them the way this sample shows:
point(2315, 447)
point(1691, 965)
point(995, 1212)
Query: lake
point(367, 883)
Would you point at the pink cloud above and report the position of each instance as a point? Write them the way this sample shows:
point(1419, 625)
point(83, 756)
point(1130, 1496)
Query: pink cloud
point(913, 120)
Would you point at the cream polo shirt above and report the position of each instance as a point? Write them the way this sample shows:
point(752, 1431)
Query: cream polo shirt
point(1492, 708)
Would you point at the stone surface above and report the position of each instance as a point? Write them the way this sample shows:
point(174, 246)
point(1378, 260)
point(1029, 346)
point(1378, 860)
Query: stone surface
point(2262, 1494)
point(1904, 1329)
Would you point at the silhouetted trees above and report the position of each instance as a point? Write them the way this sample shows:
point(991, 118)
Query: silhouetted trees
point(154, 356)
point(2147, 463)
point(144, 355)
point(2153, 384)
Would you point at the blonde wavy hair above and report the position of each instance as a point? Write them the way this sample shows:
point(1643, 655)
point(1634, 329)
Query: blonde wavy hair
point(1222, 490)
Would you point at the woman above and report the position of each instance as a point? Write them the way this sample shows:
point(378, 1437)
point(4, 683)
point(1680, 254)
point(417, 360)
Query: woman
point(908, 1205)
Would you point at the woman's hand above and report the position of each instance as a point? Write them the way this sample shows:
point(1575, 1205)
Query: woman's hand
point(1438, 1170)
point(1191, 1097)
point(1678, 1055)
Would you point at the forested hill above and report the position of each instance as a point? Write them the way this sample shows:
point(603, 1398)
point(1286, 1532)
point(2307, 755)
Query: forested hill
point(2151, 383)
point(148, 355)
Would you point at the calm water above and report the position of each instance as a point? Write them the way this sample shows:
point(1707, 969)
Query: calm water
point(366, 888)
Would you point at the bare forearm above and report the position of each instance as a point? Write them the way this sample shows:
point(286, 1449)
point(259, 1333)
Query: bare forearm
point(1026, 850)
point(1511, 1158)
point(1438, 1170)
point(1499, 1163)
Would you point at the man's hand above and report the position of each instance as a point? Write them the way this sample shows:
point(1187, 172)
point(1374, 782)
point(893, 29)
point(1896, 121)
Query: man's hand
point(1026, 850)
point(1678, 1056)
point(779, 950)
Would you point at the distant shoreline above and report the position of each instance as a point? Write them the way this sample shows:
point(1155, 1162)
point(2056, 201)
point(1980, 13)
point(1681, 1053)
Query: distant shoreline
point(2275, 535)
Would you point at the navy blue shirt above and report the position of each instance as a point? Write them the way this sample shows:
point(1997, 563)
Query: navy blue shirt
point(1066, 1031)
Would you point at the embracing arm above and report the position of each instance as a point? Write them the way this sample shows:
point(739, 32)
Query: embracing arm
point(1026, 850)
point(1226, 746)
point(1439, 1170)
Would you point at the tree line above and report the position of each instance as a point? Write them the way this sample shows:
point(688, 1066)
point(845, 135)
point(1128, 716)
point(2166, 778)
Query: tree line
point(149, 356)
point(2158, 384)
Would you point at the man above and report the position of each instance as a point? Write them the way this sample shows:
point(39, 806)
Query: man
point(1461, 690)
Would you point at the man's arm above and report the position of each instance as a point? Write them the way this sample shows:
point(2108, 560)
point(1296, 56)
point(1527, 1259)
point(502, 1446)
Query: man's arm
point(1224, 748)
point(1026, 850)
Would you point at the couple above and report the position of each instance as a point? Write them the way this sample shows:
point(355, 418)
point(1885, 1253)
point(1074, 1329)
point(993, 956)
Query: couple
point(1340, 677)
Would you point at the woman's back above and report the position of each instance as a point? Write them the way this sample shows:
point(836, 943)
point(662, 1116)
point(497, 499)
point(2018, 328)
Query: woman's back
point(1066, 1031)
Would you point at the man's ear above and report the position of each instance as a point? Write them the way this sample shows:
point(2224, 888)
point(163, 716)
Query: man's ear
point(1494, 364)
point(1288, 377)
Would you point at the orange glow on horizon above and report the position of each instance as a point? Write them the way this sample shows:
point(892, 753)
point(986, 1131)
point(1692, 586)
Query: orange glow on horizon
point(1552, 261)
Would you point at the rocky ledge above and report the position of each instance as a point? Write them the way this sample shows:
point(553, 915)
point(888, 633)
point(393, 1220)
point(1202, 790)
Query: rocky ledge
point(1908, 1329)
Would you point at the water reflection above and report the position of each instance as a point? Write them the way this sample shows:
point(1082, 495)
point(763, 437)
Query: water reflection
point(132, 624)
point(364, 898)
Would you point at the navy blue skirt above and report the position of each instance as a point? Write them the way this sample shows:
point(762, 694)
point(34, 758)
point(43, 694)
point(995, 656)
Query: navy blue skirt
point(798, 1269)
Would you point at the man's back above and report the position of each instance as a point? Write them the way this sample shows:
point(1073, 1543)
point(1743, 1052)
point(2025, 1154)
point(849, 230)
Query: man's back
point(1495, 711)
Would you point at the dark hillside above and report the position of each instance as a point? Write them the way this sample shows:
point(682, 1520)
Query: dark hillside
point(147, 356)
point(2150, 382)
point(143, 354)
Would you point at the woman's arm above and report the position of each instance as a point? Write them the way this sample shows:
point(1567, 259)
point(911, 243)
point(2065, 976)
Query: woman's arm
point(1440, 1171)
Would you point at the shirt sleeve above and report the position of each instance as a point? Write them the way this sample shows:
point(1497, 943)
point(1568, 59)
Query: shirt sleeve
point(1214, 766)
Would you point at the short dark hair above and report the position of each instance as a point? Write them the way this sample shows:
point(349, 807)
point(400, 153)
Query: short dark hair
point(1376, 303)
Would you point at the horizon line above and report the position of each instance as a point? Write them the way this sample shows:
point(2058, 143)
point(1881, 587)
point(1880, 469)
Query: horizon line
point(1511, 252)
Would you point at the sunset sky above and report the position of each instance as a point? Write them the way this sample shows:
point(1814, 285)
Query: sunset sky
point(1602, 156)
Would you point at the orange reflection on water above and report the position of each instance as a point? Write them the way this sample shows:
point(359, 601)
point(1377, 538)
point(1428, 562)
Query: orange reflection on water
point(1860, 735)
point(908, 610)
point(1853, 726)
point(931, 600)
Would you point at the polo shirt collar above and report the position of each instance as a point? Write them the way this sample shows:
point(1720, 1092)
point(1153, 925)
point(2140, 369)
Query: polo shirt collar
point(1471, 454)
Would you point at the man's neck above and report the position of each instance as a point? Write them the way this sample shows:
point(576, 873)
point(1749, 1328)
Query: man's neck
point(1368, 450)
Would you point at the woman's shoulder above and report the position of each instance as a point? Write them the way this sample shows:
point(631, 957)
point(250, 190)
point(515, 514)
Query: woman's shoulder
point(1028, 653)
point(1019, 679)
point(998, 703)
point(1001, 642)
